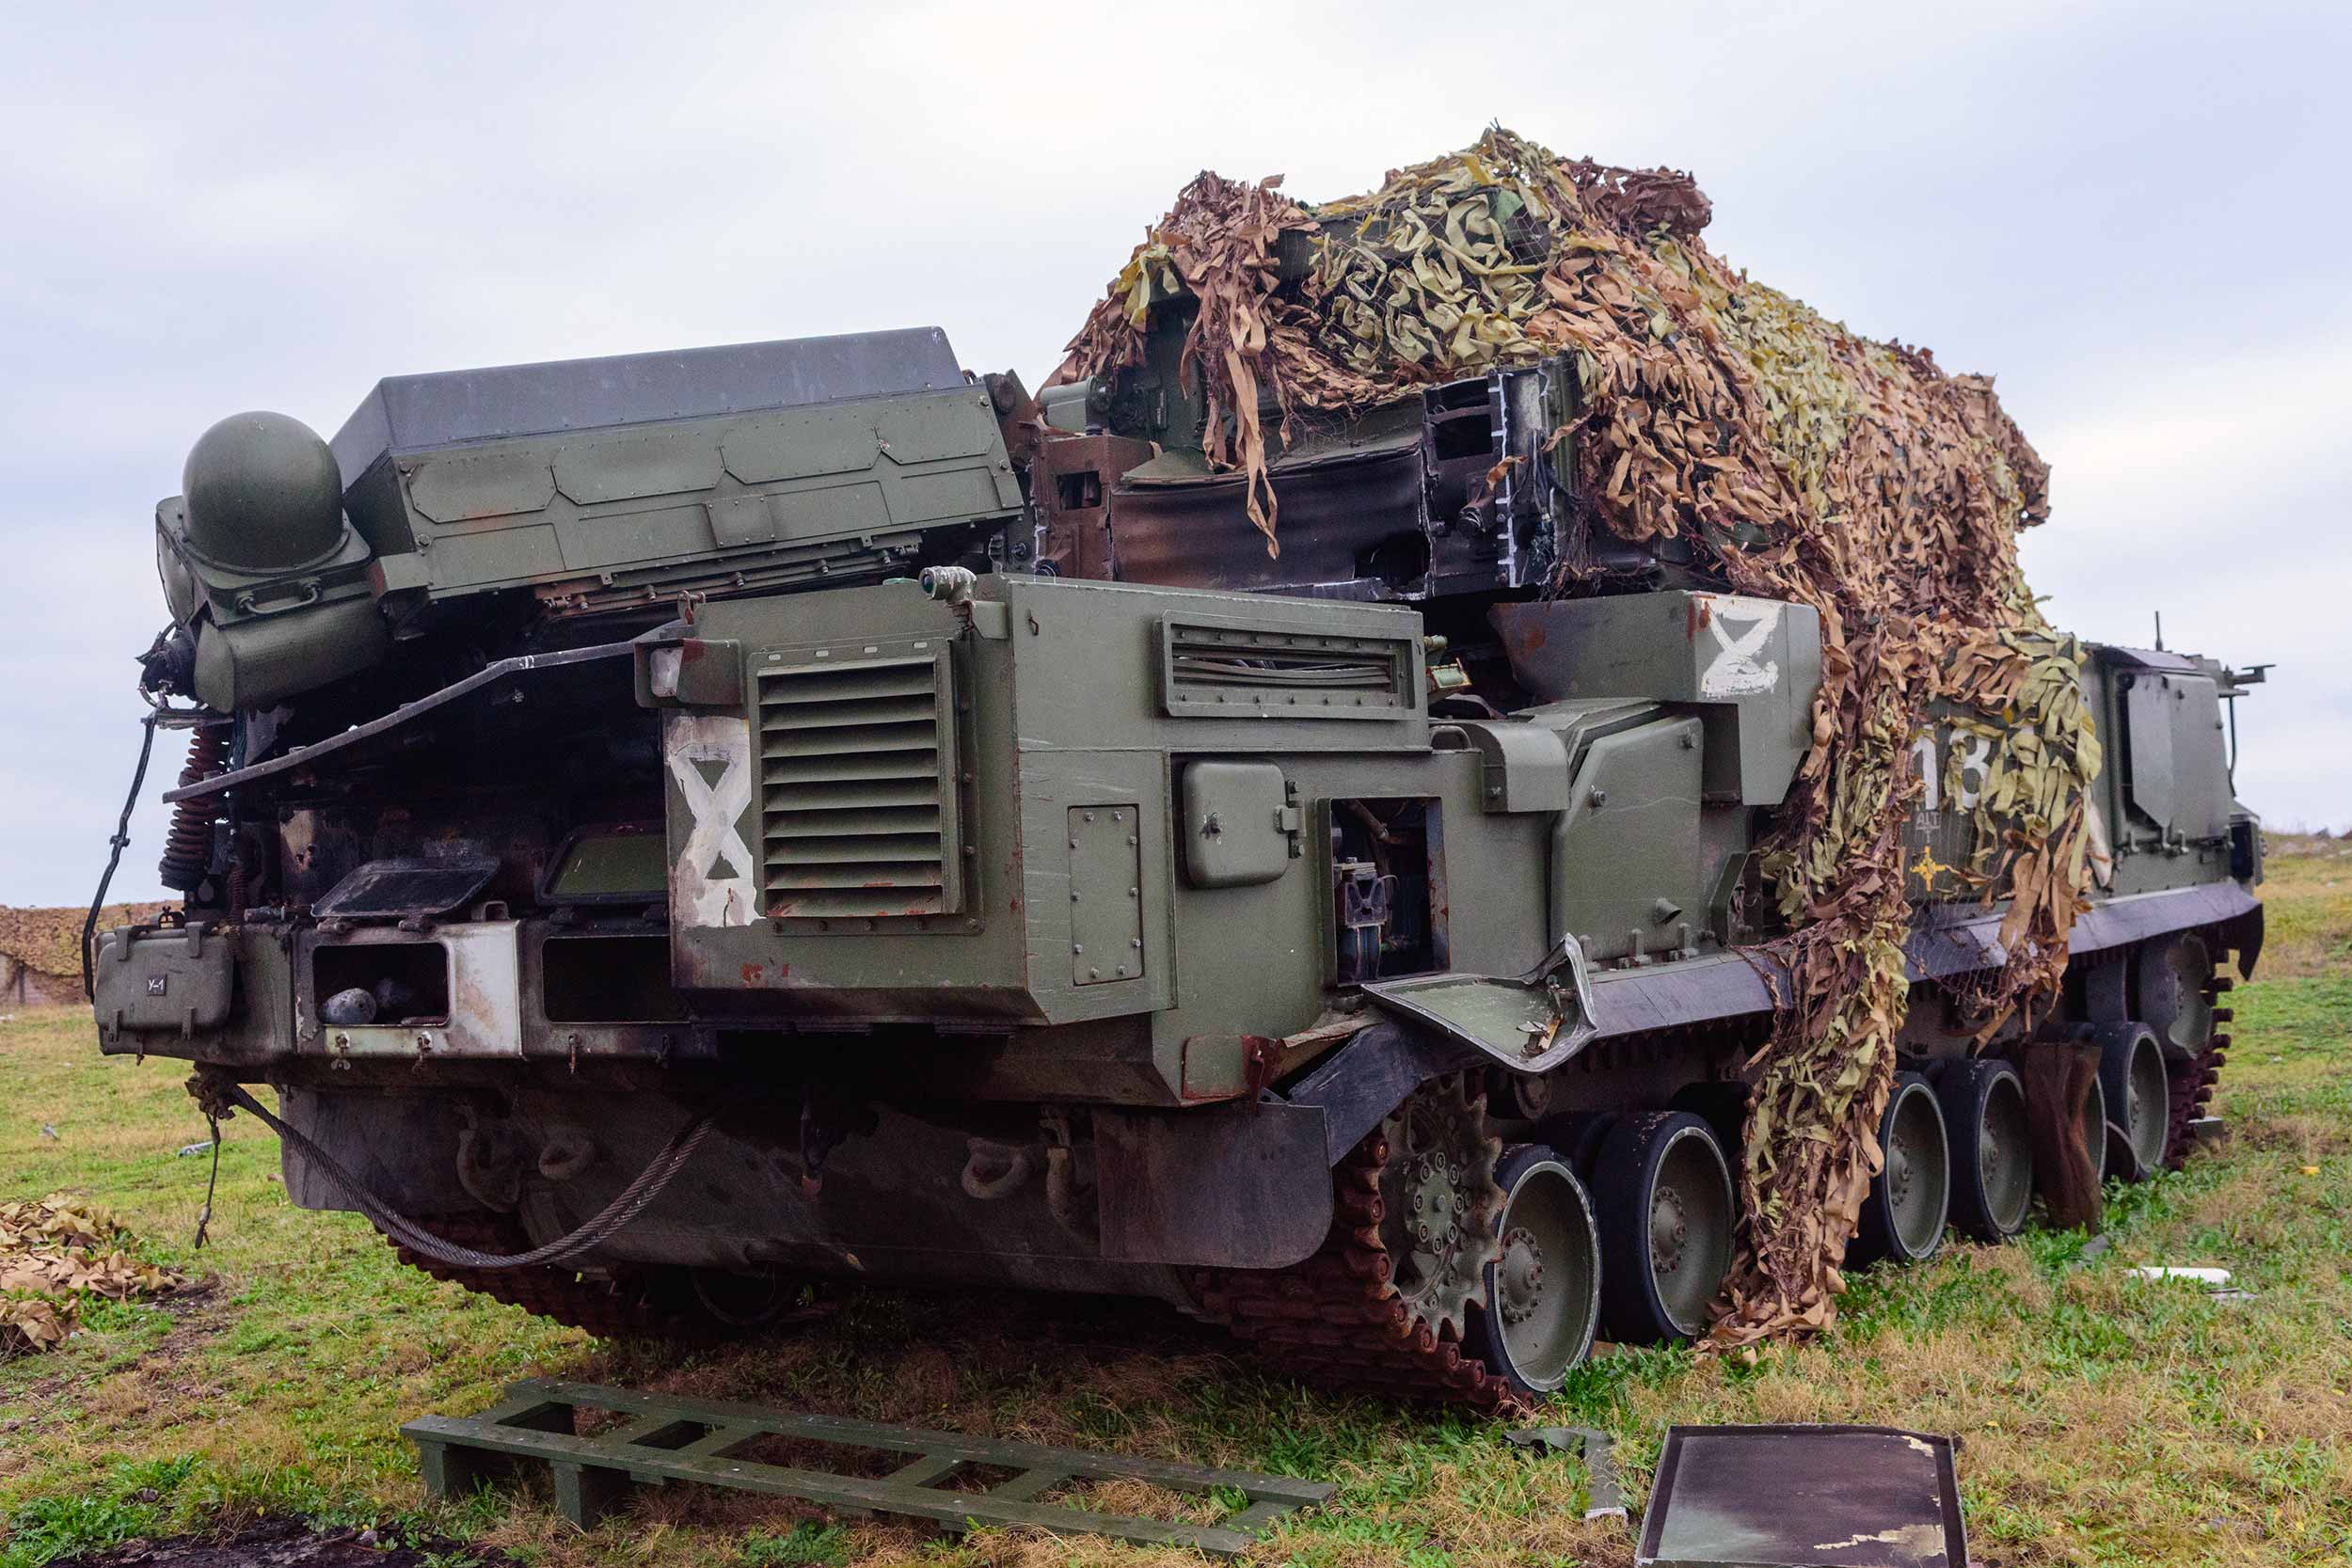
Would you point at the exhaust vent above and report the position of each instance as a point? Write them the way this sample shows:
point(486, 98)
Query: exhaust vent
point(858, 798)
point(1210, 670)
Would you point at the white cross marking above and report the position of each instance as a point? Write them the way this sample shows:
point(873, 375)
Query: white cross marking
point(715, 809)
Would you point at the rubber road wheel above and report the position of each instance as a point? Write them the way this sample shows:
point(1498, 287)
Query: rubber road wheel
point(1664, 1196)
point(1910, 1198)
point(1984, 1103)
point(2140, 1099)
point(1543, 1293)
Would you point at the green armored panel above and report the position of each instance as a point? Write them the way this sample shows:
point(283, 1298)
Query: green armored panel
point(257, 560)
point(2175, 759)
point(2164, 799)
point(1626, 871)
point(1238, 825)
point(179, 979)
point(1756, 663)
point(606, 481)
point(1111, 665)
point(1105, 893)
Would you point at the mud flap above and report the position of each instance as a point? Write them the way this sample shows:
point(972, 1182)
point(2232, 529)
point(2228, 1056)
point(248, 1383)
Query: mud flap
point(1234, 1187)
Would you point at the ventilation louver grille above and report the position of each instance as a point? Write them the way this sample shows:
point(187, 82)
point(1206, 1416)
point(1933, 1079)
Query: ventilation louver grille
point(857, 777)
point(1245, 672)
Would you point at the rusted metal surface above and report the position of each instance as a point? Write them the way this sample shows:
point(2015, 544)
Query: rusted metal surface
point(1071, 481)
point(1339, 517)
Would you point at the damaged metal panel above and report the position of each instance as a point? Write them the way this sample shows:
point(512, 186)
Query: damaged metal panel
point(400, 887)
point(1529, 1024)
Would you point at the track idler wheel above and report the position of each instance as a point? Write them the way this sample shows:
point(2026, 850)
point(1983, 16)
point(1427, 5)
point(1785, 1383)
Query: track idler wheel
point(2138, 1098)
point(1983, 1100)
point(1902, 1217)
point(1663, 1194)
point(1542, 1291)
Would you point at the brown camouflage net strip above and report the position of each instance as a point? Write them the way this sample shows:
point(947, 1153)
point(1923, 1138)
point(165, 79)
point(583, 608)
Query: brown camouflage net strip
point(1807, 463)
point(54, 1254)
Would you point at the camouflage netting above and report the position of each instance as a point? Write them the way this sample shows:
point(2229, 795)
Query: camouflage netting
point(50, 940)
point(52, 1255)
point(1803, 463)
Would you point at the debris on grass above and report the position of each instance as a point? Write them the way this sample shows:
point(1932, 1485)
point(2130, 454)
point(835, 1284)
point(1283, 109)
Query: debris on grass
point(52, 1255)
point(1605, 1496)
point(2201, 1275)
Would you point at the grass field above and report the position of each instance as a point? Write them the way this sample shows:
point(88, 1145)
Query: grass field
point(2103, 1420)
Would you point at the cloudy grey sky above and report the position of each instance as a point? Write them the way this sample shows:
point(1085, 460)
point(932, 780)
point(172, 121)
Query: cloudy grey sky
point(2134, 215)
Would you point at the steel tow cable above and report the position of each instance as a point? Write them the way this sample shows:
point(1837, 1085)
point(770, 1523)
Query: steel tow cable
point(614, 1216)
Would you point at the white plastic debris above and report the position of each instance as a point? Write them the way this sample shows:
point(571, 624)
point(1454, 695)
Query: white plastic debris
point(2215, 1278)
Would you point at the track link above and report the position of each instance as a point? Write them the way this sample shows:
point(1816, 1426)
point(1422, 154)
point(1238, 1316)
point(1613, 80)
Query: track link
point(2191, 1083)
point(1336, 1321)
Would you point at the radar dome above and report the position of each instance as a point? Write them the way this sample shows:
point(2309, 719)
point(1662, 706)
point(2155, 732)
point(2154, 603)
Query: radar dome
point(263, 494)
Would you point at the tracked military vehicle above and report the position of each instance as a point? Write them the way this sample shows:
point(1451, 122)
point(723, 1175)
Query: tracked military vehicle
point(676, 830)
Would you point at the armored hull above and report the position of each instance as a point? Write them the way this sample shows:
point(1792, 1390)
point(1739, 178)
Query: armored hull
point(794, 787)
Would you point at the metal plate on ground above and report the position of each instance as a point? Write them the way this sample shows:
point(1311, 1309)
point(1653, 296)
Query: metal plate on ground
point(662, 1439)
point(1803, 1496)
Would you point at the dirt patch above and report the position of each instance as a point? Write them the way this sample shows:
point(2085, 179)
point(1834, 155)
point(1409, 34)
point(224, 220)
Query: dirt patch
point(282, 1543)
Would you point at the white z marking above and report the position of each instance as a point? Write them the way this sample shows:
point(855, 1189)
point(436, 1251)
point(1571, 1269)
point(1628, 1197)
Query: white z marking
point(1734, 671)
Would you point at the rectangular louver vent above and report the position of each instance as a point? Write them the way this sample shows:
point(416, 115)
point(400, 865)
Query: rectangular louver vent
point(1242, 671)
point(857, 776)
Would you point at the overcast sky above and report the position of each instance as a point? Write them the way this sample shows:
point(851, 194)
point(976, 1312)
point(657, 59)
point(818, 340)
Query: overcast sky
point(2133, 214)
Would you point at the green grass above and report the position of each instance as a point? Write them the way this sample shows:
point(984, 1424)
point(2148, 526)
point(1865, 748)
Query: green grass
point(2105, 1420)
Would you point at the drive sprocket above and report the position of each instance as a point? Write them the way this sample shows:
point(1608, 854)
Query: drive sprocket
point(1438, 1201)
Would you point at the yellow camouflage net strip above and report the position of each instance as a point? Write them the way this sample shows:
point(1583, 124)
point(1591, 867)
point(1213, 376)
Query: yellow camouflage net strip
point(1809, 464)
point(53, 1254)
